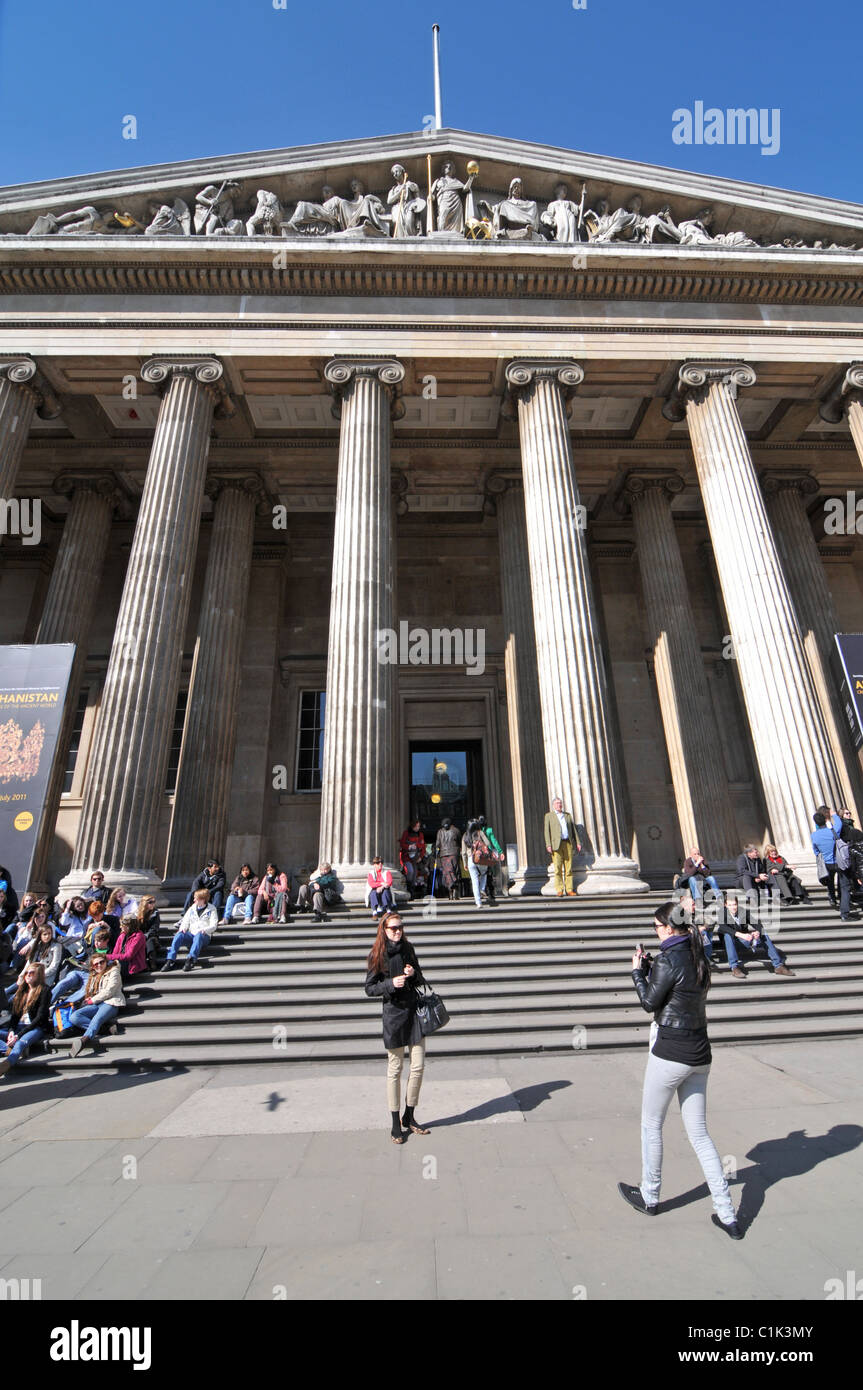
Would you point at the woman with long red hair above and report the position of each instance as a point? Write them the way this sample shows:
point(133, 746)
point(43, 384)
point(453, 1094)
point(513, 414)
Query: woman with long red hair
point(393, 975)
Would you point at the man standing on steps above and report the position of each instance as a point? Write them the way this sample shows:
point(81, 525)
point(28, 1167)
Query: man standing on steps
point(561, 843)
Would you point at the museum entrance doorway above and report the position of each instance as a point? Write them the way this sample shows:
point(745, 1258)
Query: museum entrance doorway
point(446, 779)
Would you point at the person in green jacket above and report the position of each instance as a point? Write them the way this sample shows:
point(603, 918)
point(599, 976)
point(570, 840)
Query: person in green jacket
point(491, 840)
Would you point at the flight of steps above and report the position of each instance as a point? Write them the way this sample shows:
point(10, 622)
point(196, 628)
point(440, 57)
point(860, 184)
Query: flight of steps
point(526, 976)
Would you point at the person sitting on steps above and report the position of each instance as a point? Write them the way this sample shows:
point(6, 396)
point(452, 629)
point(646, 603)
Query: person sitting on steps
point(195, 929)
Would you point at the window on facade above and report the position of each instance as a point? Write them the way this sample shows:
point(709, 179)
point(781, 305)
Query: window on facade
point(176, 741)
point(75, 744)
point(310, 753)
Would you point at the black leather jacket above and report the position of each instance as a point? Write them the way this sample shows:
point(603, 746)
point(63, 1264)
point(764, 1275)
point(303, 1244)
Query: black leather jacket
point(672, 992)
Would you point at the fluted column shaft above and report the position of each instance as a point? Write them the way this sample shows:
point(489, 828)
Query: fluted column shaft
point(199, 822)
point(694, 750)
point(580, 755)
point(126, 772)
point(357, 796)
point(795, 760)
point(813, 602)
point(67, 617)
point(524, 711)
point(18, 401)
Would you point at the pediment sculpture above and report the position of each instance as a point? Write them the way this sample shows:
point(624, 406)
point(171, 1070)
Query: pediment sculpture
point(449, 206)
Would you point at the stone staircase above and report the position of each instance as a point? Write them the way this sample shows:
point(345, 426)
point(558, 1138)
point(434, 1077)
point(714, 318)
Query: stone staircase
point(531, 975)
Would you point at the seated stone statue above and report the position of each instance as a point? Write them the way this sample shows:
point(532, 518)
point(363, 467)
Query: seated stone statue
point(515, 216)
point(362, 211)
point(624, 224)
point(266, 220)
point(406, 205)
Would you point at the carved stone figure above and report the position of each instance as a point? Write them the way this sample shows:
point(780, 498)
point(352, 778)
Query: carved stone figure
point(695, 231)
point(316, 219)
point(659, 226)
point(564, 216)
point(86, 219)
point(214, 211)
point(515, 215)
point(406, 204)
point(624, 224)
point(449, 195)
point(175, 220)
point(362, 211)
point(267, 217)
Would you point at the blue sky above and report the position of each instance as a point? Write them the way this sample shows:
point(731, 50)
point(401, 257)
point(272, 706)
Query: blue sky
point(210, 77)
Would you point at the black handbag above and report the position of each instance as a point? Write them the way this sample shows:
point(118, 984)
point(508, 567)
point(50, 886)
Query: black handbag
point(431, 1012)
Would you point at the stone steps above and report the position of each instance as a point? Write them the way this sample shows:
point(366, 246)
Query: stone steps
point(516, 979)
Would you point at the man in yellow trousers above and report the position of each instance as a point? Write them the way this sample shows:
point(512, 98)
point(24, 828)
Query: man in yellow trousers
point(561, 843)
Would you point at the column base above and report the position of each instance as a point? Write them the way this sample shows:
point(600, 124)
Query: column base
point(529, 882)
point(136, 882)
point(354, 883)
point(611, 875)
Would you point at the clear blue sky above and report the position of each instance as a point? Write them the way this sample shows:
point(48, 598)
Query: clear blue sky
point(211, 77)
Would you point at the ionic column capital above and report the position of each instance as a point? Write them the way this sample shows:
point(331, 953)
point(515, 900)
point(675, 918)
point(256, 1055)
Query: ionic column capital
point(207, 371)
point(103, 484)
point(773, 480)
point(523, 376)
point(398, 490)
point(24, 373)
point(695, 379)
point(495, 486)
point(343, 373)
point(850, 389)
point(640, 481)
point(250, 484)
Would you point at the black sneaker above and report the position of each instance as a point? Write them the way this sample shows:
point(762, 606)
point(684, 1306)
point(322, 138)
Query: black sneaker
point(730, 1228)
point(168, 966)
point(633, 1196)
point(190, 965)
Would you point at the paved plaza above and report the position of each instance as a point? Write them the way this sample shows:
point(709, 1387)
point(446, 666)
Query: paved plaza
point(279, 1181)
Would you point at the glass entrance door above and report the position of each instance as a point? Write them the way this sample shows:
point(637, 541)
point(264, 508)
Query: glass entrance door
point(446, 780)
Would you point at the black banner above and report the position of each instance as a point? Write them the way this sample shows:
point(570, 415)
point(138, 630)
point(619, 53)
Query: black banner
point(848, 665)
point(33, 686)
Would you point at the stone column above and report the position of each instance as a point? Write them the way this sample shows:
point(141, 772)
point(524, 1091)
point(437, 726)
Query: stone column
point(358, 794)
point(199, 822)
point(18, 400)
point(581, 759)
point(126, 773)
point(785, 495)
point(522, 689)
point(701, 790)
point(67, 617)
point(795, 759)
point(848, 400)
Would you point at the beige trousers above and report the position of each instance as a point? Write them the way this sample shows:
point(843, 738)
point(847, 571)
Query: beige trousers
point(396, 1057)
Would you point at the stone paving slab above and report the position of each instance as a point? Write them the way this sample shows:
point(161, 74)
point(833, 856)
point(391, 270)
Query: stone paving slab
point(296, 1107)
point(511, 1196)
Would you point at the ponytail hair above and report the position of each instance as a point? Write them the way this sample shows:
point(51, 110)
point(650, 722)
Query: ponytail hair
point(669, 914)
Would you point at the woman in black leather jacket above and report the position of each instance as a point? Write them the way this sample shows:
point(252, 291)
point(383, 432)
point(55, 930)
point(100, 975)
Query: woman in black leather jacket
point(393, 975)
point(674, 989)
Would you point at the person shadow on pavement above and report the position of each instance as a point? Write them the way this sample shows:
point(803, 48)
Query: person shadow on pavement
point(774, 1160)
point(527, 1098)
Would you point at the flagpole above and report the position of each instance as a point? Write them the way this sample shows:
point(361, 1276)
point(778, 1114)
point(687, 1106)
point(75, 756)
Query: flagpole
point(438, 121)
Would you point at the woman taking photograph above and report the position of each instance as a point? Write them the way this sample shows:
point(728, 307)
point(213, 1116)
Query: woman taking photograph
point(393, 975)
point(74, 919)
point(29, 1021)
point(674, 989)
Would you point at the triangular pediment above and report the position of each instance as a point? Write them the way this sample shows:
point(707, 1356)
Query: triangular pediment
point(767, 216)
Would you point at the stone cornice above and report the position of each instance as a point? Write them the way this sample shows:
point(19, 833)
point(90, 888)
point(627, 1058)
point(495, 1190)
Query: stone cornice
point(384, 271)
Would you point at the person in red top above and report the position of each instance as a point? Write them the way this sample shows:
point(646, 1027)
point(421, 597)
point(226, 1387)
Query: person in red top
point(412, 852)
point(130, 949)
point(380, 888)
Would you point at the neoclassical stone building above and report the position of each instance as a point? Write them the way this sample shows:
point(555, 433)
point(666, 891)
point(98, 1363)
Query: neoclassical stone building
point(270, 415)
